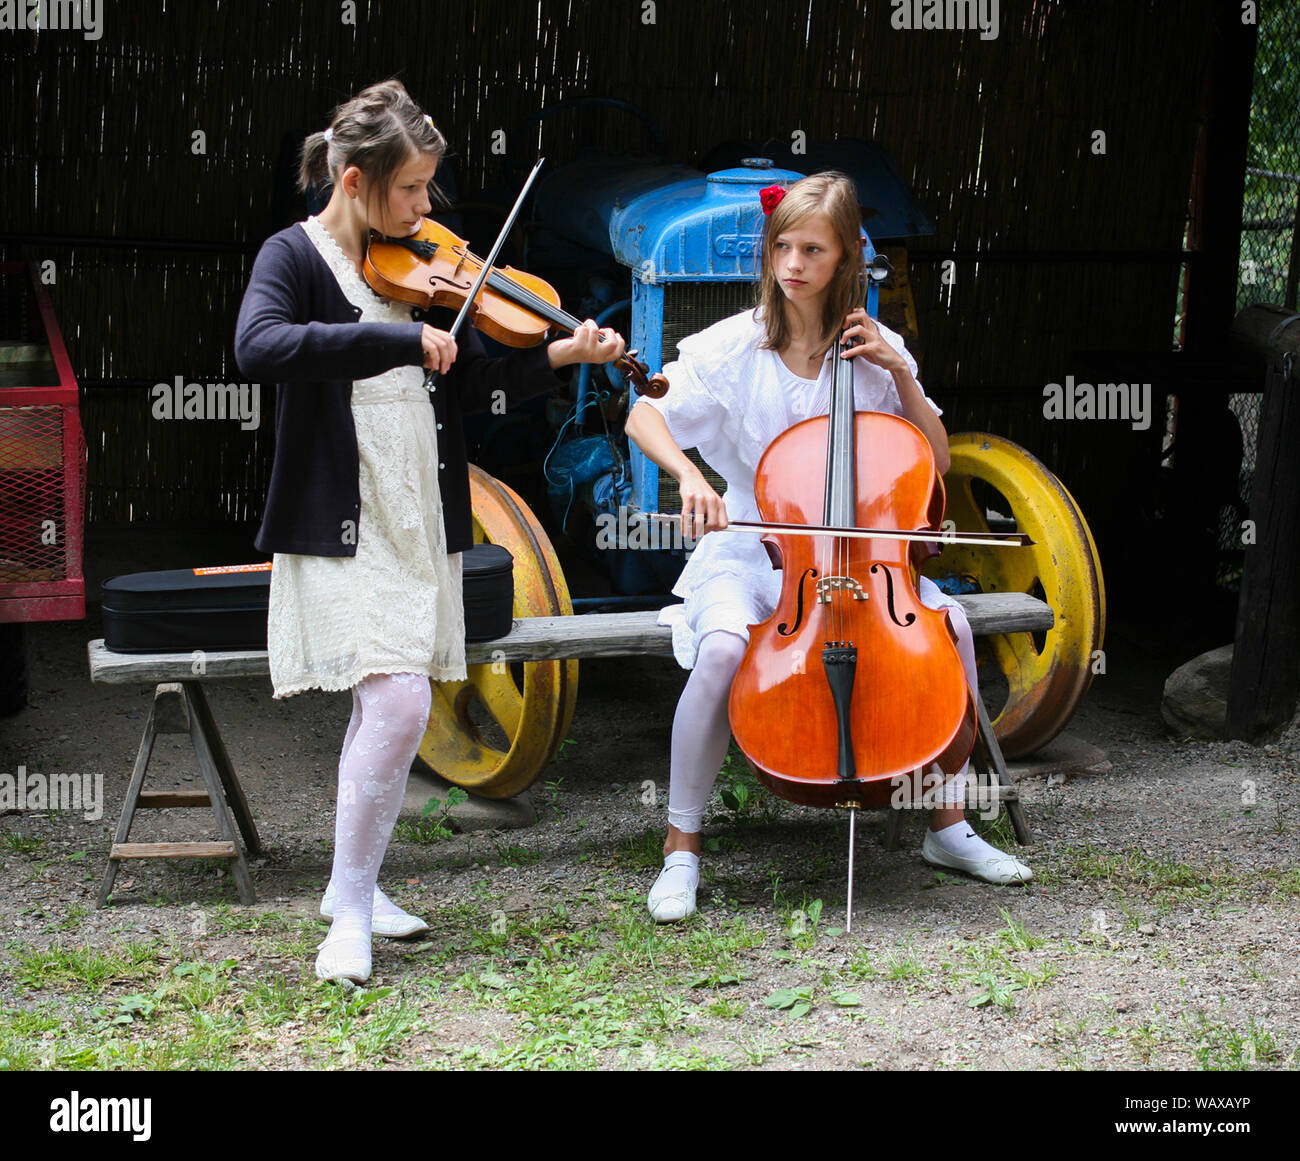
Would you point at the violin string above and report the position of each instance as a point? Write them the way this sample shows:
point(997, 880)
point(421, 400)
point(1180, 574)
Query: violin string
point(522, 296)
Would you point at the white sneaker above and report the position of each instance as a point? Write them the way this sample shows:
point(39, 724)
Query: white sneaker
point(672, 898)
point(397, 924)
point(1000, 868)
point(343, 958)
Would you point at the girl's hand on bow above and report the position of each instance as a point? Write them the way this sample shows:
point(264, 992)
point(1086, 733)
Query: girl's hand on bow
point(586, 346)
point(870, 343)
point(703, 509)
point(439, 349)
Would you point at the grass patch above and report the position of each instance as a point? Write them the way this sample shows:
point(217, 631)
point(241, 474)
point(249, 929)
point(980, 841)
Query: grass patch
point(424, 831)
point(1223, 1048)
point(204, 1015)
point(229, 920)
point(20, 844)
point(581, 1014)
point(902, 964)
point(1143, 1040)
point(1015, 937)
point(622, 992)
point(997, 831)
point(746, 800)
point(19, 1030)
point(88, 967)
point(643, 852)
point(1163, 877)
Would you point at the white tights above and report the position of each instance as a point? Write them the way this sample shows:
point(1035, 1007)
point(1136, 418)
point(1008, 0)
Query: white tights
point(390, 713)
point(702, 730)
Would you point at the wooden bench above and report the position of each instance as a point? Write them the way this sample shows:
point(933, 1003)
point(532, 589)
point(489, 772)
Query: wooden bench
point(181, 706)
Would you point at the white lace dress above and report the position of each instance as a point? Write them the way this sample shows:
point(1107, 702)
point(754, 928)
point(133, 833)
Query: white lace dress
point(396, 606)
point(730, 400)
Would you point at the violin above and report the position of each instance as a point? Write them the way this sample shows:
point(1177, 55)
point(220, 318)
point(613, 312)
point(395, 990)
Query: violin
point(851, 682)
point(434, 267)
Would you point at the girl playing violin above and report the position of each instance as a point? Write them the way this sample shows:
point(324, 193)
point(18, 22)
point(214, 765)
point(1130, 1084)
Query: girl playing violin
point(735, 387)
point(368, 509)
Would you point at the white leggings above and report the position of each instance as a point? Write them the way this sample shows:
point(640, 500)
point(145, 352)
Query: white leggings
point(390, 713)
point(702, 731)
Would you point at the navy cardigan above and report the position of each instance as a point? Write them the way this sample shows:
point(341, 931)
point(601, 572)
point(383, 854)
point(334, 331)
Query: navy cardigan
point(297, 329)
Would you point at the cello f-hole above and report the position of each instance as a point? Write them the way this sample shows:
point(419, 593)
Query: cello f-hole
point(785, 629)
point(889, 597)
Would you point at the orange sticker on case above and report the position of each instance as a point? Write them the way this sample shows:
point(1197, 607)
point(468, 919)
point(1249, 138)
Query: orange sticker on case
point(220, 568)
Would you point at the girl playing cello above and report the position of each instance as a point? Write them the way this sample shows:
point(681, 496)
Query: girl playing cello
point(735, 387)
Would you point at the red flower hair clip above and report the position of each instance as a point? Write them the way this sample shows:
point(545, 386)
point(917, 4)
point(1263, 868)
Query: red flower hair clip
point(771, 197)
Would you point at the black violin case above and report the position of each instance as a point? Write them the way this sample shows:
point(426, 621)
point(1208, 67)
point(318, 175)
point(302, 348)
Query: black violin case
point(223, 609)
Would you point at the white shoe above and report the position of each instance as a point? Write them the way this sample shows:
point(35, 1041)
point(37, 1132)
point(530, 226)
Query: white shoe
point(1000, 868)
point(674, 900)
point(397, 924)
point(343, 958)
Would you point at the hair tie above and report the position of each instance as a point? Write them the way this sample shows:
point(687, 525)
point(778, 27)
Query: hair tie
point(429, 121)
point(771, 197)
point(329, 134)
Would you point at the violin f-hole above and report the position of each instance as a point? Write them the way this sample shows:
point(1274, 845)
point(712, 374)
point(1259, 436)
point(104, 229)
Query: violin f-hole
point(785, 629)
point(889, 598)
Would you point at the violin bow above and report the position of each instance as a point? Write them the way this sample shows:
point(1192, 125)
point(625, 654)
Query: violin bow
point(432, 377)
point(932, 535)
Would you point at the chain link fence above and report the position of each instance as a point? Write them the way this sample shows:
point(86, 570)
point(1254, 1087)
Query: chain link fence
point(1270, 221)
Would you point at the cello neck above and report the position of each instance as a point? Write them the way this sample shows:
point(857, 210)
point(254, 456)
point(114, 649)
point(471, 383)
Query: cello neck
point(841, 503)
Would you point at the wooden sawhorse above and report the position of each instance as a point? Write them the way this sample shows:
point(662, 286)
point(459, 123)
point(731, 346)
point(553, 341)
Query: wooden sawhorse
point(182, 708)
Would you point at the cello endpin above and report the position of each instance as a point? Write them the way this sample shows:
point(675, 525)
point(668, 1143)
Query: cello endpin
point(848, 907)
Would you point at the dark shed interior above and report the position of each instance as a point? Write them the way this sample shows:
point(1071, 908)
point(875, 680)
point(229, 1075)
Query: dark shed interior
point(1084, 169)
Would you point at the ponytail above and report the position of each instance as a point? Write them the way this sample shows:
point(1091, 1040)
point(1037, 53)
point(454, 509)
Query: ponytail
point(314, 168)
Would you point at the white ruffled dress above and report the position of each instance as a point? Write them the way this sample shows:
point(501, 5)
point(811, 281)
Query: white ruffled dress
point(396, 606)
point(730, 399)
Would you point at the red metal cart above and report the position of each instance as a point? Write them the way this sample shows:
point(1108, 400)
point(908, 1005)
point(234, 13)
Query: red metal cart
point(42, 475)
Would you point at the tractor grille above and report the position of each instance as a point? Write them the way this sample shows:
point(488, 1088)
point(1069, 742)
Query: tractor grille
point(690, 307)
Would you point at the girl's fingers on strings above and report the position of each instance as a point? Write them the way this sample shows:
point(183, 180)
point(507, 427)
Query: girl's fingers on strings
point(613, 345)
point(868, 341)
point(593, 344)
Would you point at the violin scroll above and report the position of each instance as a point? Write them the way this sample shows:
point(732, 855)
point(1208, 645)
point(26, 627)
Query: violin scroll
point(656, 385)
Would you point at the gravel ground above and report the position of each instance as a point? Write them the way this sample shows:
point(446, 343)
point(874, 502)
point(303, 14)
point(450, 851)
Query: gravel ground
point(1159, 932)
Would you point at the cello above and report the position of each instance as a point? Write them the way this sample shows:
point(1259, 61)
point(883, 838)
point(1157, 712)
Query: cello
point(852, 683)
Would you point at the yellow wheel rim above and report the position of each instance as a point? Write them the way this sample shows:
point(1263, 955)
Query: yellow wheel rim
point(1046, 674)
point(494, 733)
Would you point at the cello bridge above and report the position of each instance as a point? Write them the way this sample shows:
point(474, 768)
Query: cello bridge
point(828, 586)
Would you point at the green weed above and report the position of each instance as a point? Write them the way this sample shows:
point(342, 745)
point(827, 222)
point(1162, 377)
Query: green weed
point(20, 844)
point(1221, 1047)
point(86, 966)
